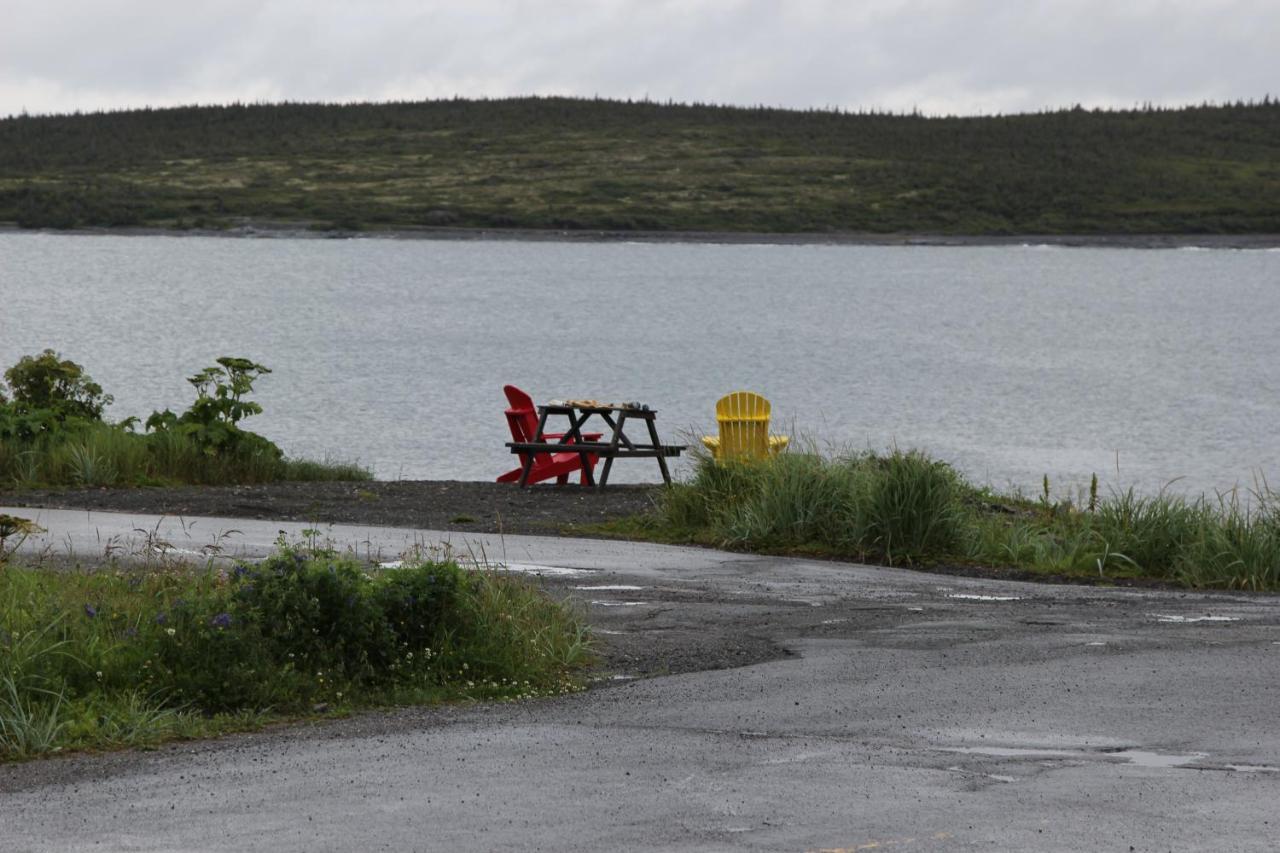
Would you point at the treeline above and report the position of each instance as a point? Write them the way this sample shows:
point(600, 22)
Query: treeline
point(574, 163)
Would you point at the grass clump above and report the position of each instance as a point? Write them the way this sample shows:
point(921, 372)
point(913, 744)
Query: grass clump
point(898, 507)
point(133, 657)
point(52, 433)
point(905, 508)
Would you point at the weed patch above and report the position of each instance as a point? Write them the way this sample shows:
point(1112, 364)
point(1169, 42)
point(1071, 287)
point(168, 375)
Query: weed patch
point(132, 657)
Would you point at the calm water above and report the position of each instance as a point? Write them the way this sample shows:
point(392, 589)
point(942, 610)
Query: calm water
point(1009, 362)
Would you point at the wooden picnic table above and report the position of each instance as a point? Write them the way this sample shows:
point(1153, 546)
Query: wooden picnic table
point(616, 444)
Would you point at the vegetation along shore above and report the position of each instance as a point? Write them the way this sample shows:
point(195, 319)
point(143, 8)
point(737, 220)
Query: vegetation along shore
point(615, 167)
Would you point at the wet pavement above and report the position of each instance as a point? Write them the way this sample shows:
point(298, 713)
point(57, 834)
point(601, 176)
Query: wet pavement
point(878, 709)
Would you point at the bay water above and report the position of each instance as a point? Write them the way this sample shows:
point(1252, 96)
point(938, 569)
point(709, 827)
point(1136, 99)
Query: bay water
point(1152, 368)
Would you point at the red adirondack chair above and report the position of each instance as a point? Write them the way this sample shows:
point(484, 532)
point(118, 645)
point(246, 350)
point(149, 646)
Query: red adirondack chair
point(522, 418)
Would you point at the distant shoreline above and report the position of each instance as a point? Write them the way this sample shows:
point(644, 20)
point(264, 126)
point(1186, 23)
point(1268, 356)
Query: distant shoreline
point(287, 230)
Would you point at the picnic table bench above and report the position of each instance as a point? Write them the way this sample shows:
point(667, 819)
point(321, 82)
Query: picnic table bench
point(615, 443)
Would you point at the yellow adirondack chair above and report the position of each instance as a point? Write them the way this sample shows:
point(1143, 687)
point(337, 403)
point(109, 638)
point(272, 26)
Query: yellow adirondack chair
point(743, 418)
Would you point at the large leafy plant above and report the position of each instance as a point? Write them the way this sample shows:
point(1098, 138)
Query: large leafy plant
point(212, 421)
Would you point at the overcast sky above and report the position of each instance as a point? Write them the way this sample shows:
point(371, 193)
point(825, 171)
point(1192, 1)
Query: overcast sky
point(940, 56)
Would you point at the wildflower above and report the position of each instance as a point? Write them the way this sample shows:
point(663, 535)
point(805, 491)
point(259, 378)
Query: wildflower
point(171, 631)
point(99, 675)
point(222, 620)
point(162, 618)
point(90, 611)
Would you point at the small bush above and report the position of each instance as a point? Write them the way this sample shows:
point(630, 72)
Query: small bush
point(116, 657)
point(50, 383)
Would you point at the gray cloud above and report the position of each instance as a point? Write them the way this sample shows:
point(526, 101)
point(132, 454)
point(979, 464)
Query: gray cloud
point(941, 56)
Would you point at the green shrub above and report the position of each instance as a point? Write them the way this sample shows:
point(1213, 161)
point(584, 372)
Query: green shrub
point(60, 386)
point(119, 657)
point(212, 421)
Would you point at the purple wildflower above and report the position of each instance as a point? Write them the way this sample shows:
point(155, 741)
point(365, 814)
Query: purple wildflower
point(90, 611)
point(162, 618)
point(222, 620)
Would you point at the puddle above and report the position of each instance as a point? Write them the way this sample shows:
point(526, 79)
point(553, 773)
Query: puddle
point(832, 621)
point(1252, 768)
point(618, 603)
point(523, 568)
point(1095, 644)
point(1143, 758)
point(972, 597)
point(619, 586)
point(622, 677)
point(996, 776)
point(536, 569)
point(1173, 617)
point(1136, 757)
point(916, 609)
point(1014, 752)
point(604, 631)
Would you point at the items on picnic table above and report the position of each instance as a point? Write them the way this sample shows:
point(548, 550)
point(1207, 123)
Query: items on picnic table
point(743, 419)
point(596, 404)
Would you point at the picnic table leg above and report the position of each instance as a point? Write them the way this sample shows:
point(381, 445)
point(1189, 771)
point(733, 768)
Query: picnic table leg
point(574, 436)
point(657, 446)
point(613, 444)
point(575, 428)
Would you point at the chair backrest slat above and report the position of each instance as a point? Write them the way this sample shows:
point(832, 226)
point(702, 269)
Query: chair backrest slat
point(522, 419)
point(743, 418)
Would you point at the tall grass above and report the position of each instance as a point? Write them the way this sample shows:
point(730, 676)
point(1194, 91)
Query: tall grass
point(106, 455)
point(118, 657)
point(899, 507)
point(904, 507)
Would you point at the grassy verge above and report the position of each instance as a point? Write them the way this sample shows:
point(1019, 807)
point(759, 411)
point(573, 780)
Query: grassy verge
point(904, 508)
point(103, 454)
point(132, 657)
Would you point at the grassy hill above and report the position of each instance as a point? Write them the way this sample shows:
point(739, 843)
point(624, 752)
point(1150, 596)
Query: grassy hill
point(567, 164)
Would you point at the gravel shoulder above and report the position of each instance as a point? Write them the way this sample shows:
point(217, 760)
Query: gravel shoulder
point(472, 507)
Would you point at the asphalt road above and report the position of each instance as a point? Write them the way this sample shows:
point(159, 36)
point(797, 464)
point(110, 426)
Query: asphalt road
point(883, 710)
